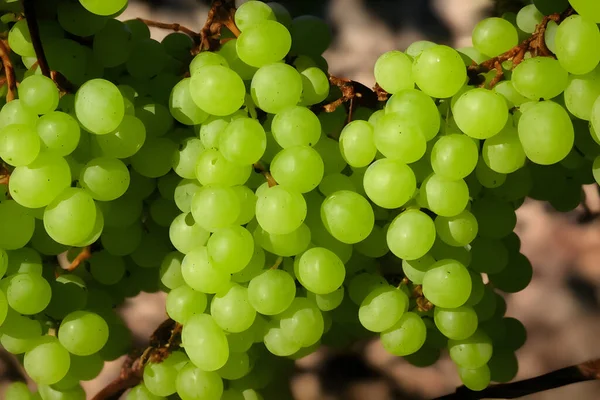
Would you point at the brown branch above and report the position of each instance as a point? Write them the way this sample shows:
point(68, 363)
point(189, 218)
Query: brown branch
point(9, 71)
point(173, 27)
point(259, 168)
point(83, 255)
point(221, 14)
point(586, 371)
point(34, 32)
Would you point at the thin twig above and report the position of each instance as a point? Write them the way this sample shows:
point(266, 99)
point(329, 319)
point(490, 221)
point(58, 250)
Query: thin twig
point(220, 14)
point(34, 32)
point(170, 26)
point(83, 255)
point(258, 167)
point(9, 71)
point(586, 371)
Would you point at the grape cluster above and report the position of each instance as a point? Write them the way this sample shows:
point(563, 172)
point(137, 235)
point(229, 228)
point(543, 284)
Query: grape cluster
point(273, 225)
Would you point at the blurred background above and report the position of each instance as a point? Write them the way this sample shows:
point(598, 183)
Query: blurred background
point(560, 308)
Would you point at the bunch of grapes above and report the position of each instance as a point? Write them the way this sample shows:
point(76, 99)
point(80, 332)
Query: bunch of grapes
point(273, 225)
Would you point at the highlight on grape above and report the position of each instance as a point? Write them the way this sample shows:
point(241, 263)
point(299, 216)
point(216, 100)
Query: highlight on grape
point(281, 208)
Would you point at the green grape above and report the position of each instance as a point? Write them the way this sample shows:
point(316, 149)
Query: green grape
point(487, 177)
point(548, 7)
point(85, 368)
point(106, 268)
point(443, 196)
point(374, 245)
point(19, 39)
point(237, 366)
point(283, 16)
point(206, 58)
point(163, 211)
point(515, 276)
point(17, 391)
point(393, 71)
point(504, 153)
point(147, 59)
point(112, 44)
point(280, 210)
point(15, 113)
point(296, 126)
point(382, 308)
point(263, 43)
point(400, 139)
point(271, 292)
point(184, 192)
point(19, 334)
point(320, 270)
point(406, 336)
point(58, 132)
point(266, 87)
point(217, 90)
point(28, 293)
point(456, 323)
point(528, 18)
point(587, 8)
point(182, 106)
point(252, 13)
point(231, 249)
point(213, 168)
point(475, 378)
point(183, 302)
point(472, 352)
point(23, 260)
point(104, 7)
point(4, 262)
point(19, 144)
point(480, 113)
point(229, 52)
point(200, 273)
point(389, 183)
point(575, 36)
point(243, 141)
point(416, 48)
point(156, 118)
point(99, 106)
point(581, 93)
point(160, 378)
point(17, 225)
point(496, 218)
point(411, 235)
point(487, 306)
point(205, 343)
point(195, 384)
point(47, 362)
point(540, 78)
point(122, 212)
point(83, 333)
point(329, 150)
point(298, 168)
point(329, 301)
point(105, 178)
point(154, 158)
point(302, 322)
point(170, 270)
point(488, 255)
point(454, 156)
point(357, 144)
point(277, 342)
point(186, 235)
point(315, 86)
point(503, 366)
point(39, 94)
point(447, 284)
point(558, 134)
point(510, 94)
point(439, 71)
point(70, 217)
point(284, 245)
point(459, 230)
point(185, 158)
point(494, 36)
point(141, 392)
point(253, 268)
point(124, 141)
point(179, 46)
point(335, 182)
point(347, 216)
point(216, 207)
point(231, 309)
point(415, 269)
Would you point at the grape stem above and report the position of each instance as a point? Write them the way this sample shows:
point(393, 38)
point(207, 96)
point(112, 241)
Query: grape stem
point(34, 31)
point(259, 168)
point(9, 71)
point(171, 26)
point(586, 371)
point(83, 255)
point(221, 14)
point(277, 263)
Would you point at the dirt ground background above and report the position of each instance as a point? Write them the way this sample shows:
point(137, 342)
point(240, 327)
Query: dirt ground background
point(561, 306)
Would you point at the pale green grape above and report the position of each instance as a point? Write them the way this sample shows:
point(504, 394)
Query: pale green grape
point(39, 94)
point(229, 52)
point(237, 366)
point(24, 260)
point(415, 269)
point(205, 343)
point(480, 113)
point(247, 200)
point(510, 94)
point(374, 245)
point(284, 245)
point(263, 43)
point(581, 93)
point(416, 48)
point(504, 153)
point(320, 270)
point(99, 106)
point(528, 18)
point(217, 90)
point(382, 308)
point(296, 126)
point(271, 292)
point(106, 268)
point(444, 196)
point(215, 207)
point(183, 302)
point(213, 168)
point(587, 8)
point(184, 192)
point(83, 333)
point(185, 158)
point(459, 230)
point(329, 150)
point(475, 378)
point(400, 139)
point(70, 217)
point(329, 301)
point(302, 322)
point(253, 268)
point(160, 378)
point(277, 342)
point(406, 336)
point(454, 156)
point(487, 177)
point(170, 270)
point(347, 216)
point(334, 182)
point(243, 142)
point(577, 43)
point(447, 284)
point(201, 274)
point(17, 225)
point(210, 131)
point(253, 12)
point(182, 106)
point(18, 391)
point(58, 132)
point(472, 352)
point(105, 178)
point(299, 168)
point(494, 36)
point(411, 235)
point(48, 362)
point(315, 86)
point(112, 44)
point(456, 323)
point(156, 118)
point(232, 310)
point(231, 249)
point(19, 39)
point(195, 384)
point(389, 183)
point(280, 210)
point(19, 144)
point(141, 392)
point(439, 71)
point(104, 7)
point(540, 78)
point(357, 144)
point(19, 334)
point(393, 71)
point(266, 87)
point(546, 133)
point(185, 234)
point(124, 141)
point(15, 113)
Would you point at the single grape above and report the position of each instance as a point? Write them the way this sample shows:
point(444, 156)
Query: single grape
point(411, 235)
point(393, 71)
point(494, 36)
point(439, 71)
point(447, 284)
